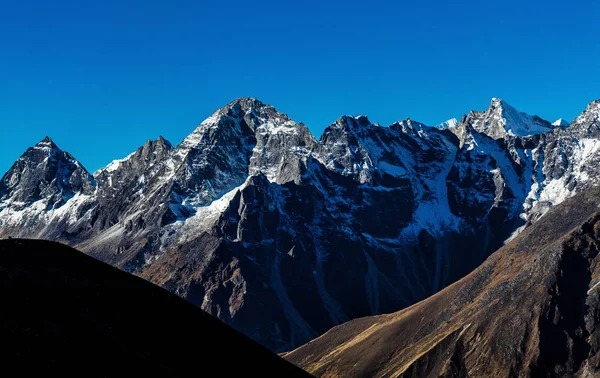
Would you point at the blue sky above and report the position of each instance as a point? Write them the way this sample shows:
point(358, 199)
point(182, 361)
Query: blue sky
point(102, 78)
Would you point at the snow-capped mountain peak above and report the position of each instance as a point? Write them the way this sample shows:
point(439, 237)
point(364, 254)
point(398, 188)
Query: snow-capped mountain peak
point(245, 115)
point(560, 123)
point(501, 120)
point(45, 143)
point(45, 172)
point(348, 122)
point(450, 123)
point(42, 149)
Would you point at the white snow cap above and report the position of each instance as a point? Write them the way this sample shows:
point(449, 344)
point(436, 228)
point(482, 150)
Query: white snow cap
point(560, 122)
point(452, 122)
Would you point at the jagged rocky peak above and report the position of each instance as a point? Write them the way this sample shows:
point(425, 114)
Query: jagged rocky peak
point(45, 172)
point(349, 123)
point(501, 120)
point(408, 126)
point(587, 124)
point(344, 131)
point(46, 142)
point(145, 156)
point(155, 150)
point(217, 155)
point(243, 106)
point(46, 145)
point(240, 119)
point(249, 112)
point(341, 146)
point(161, 143)
point(244, 118)
point(280, 142)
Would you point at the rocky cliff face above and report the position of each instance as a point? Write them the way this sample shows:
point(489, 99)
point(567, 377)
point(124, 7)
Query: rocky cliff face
point(531, 310)
point(501, 120)
point(43, 183)
point(46, 173)
point(284, 236)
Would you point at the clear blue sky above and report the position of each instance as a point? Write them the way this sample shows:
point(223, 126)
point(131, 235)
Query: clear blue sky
point(102, 78)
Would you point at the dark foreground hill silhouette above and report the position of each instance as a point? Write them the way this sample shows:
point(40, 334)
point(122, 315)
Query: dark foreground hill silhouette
point(64, 312)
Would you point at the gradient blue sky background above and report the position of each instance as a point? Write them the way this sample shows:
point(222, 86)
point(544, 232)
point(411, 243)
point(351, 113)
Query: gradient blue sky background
point(102, 78)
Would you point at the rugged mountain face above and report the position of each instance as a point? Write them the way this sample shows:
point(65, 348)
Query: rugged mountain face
point(45, 172)
point(44, 180)
point(251, 212)
point(501, 120)
point(66, 313)
point(531, 310)
point(565, 162)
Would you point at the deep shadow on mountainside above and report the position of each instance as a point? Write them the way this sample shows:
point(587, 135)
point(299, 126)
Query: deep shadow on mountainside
point(64, 312)
point(531, 310)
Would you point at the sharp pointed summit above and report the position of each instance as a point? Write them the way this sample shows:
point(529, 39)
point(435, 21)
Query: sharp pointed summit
point(254, 112)
point(46, 144)
point(560, 123)
point(247, 103)
point(45, 173)
point(501, 120)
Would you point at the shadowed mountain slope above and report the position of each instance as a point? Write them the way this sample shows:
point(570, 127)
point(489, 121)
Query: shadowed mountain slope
point(67, 313)
point(531, 310)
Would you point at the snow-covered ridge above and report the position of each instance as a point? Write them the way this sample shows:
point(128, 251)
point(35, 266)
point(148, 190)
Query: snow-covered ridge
point(452, 122)
point(499, 120)
point(114, 165)
point(266, 121)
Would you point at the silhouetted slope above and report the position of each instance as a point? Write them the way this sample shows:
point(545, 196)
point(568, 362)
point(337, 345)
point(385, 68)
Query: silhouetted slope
point(531, 310)
point(65, 312)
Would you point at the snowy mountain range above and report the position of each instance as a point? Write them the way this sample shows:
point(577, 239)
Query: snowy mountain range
point(283, 235)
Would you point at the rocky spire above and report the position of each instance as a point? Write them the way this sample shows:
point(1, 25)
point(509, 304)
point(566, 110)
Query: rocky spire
point(587, 124)
point(45, 172)
point(501, 120)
